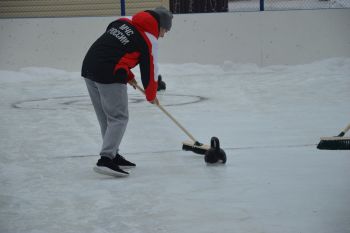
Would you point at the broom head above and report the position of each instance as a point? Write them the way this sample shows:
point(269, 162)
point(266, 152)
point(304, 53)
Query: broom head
point(195, 147)
point(334, 143)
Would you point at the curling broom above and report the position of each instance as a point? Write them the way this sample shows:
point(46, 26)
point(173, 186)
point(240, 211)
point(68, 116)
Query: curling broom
point(335, 143)
point(194, 145)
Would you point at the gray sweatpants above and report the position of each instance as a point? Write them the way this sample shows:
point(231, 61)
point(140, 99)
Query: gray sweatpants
point(110, 102)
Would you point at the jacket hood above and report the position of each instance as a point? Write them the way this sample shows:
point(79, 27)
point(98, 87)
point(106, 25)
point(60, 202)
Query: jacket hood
point(146, 22)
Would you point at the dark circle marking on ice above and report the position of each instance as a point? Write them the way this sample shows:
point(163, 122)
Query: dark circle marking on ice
point(83, 101)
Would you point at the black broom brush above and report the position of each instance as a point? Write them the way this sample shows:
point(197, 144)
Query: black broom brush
point(336, 142)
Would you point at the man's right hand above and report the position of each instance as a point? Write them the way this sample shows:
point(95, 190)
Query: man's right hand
point(155, 101)
point(133, 83)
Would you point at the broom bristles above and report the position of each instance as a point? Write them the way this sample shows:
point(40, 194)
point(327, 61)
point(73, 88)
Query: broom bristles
point(195, 147)
point(334, 143)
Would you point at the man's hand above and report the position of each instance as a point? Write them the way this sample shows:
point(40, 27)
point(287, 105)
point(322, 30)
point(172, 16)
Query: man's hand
point(133, 83)
point(155, 101)
point(161, 83)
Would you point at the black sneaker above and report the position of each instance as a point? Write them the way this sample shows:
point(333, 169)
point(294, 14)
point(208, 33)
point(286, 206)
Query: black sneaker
point(121, 161)
point(106, 166)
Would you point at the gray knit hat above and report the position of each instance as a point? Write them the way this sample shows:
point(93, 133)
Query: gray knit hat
point(165, 17)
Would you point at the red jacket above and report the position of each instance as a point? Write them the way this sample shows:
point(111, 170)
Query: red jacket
point(125, 44)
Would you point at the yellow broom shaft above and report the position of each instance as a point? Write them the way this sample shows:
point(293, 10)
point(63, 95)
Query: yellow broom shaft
point(168, 114)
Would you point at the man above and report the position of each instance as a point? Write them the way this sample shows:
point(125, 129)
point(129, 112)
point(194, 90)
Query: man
point(107, 69)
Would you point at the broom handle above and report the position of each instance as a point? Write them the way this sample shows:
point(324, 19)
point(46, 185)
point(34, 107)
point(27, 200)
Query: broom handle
point(344, 131)
point(176, 122)
point(168, 114)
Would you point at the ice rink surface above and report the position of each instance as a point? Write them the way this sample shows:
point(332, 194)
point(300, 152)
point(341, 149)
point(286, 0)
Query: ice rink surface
point(268, 120)
point(254, 5)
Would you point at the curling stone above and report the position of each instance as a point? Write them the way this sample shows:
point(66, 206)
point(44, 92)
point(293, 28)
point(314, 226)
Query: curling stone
point(215, 154)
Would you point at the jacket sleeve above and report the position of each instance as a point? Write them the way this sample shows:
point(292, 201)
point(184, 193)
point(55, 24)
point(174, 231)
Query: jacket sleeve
point(149, 67)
